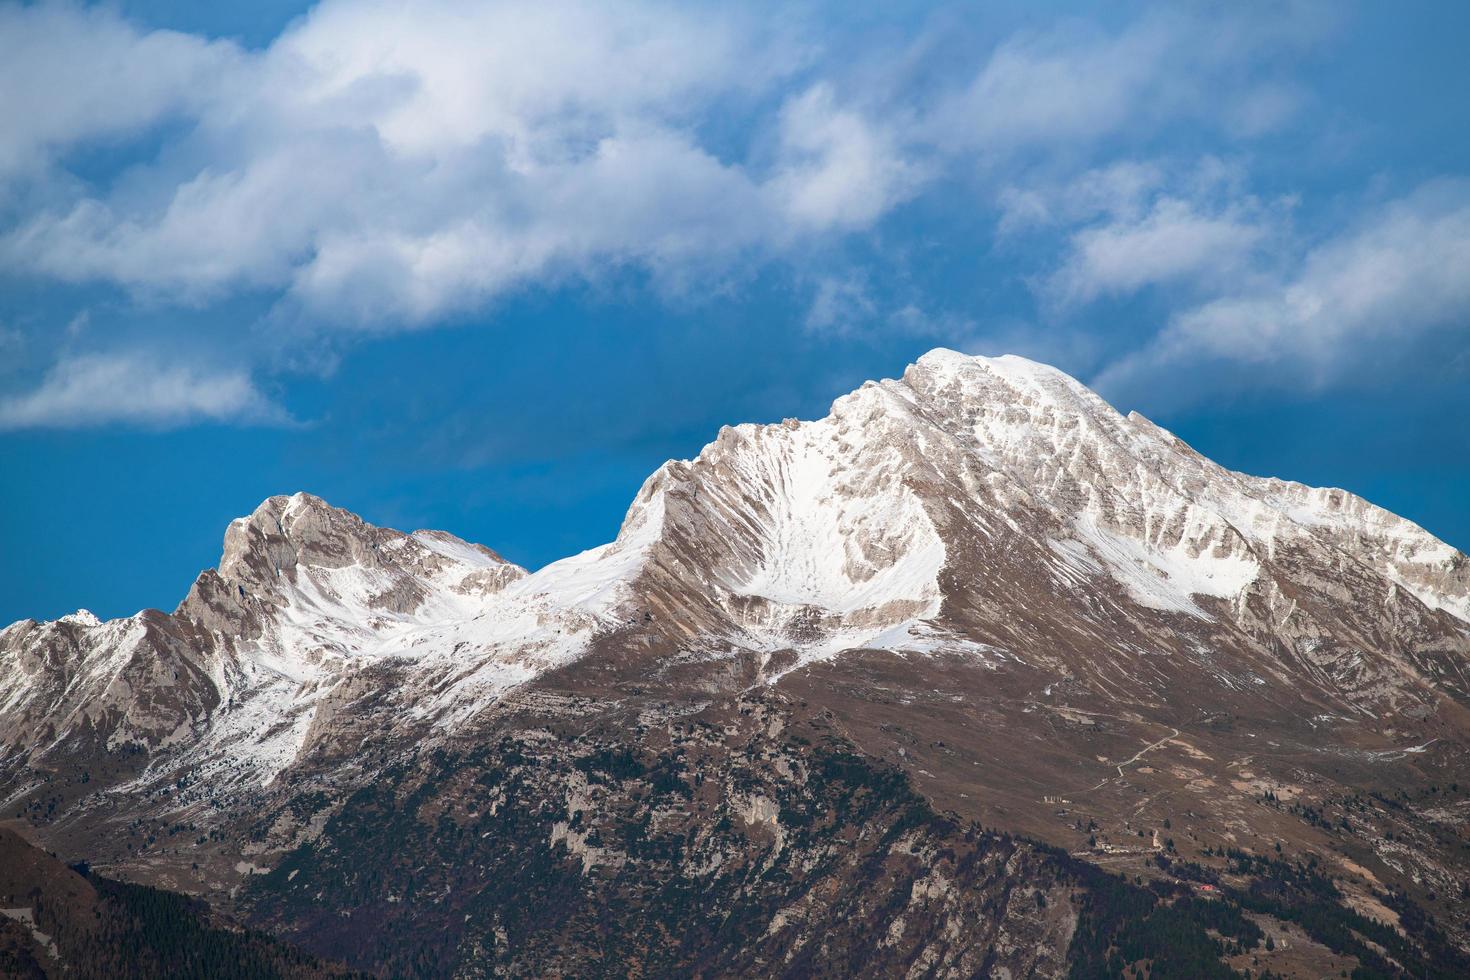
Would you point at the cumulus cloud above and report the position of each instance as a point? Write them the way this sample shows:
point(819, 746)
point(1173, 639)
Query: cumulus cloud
point(388, 164)
point(70, 75)
point(1136, 224)
point(392, 163)
point(840, 170)
point(1399, 274)
point(96, 389)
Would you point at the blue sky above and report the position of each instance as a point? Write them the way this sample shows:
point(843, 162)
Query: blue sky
point(483, 266)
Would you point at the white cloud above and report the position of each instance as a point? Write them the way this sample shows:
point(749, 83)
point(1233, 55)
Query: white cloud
point(387, 164)
point(1264, 108)
point(841, 305)
point(96, 389)
point(383, 165)
point(1120, 190)
point(1067, 85)
point(546, 78)
point(1078, 84)
point(1402, 272)
point(71, 75)
point(1136, 224)
point(1175, 240)
point(839, 169)
point(648, 198)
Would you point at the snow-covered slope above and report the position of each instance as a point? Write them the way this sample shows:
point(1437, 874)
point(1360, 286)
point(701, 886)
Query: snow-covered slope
point(306, 596)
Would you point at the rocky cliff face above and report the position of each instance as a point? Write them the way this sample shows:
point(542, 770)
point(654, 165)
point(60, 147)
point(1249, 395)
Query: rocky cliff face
point(1037, 614)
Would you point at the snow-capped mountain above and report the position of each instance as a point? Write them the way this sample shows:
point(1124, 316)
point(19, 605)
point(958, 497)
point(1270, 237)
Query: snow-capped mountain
point(982, 546)
point(970, 485)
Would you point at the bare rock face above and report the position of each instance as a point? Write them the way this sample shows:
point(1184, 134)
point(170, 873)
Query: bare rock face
point(1009, 609)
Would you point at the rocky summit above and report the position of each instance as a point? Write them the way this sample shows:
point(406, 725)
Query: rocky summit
point(973, 677)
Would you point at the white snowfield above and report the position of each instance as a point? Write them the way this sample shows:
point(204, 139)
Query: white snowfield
point(817, 537)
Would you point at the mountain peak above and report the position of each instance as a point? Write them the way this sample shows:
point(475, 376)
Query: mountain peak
point(1012, 363)
point(980, 379)
point(1009, 366)
point(286, 530)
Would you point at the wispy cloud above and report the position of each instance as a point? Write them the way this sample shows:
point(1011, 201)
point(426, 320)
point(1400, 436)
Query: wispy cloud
point(841, 305)
point(1079, 84)
point(1175, 240)
point(1398, 274)
point(98, 389)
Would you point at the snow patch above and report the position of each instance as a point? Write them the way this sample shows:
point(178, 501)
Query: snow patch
point(82, 617)
point(1164, 579)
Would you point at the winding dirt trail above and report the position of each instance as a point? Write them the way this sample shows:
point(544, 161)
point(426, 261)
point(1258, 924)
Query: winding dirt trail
point(1136, 756)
